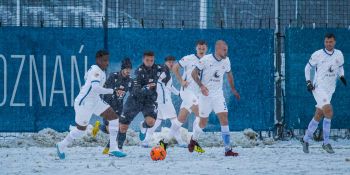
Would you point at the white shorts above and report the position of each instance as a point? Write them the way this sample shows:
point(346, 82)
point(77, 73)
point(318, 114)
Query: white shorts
point(189, 98)
point(84, 111)
point(207, 104)
point(322, 97)
point(166, 111)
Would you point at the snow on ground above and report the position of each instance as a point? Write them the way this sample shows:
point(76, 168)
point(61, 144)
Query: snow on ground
point(37, 155)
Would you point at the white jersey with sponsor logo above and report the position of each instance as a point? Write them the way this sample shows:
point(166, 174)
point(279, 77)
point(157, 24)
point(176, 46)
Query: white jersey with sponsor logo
point(94, 75)
point(189, 62)
point(212, 73)
point(327, 66)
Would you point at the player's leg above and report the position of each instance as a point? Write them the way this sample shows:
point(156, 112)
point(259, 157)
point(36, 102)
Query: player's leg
point(320, 97)
point(83, 114)
point(113, 126)
point(313, 125)
point(189, 102)
point(195, 110)
point(225, 133)
point(167, 111)
point(311, 129)
point(131, 109)
point(220, 108)
point(205, 108)
point(177, 122)
point(150, 131)
point(149, 111)
point(328, 114)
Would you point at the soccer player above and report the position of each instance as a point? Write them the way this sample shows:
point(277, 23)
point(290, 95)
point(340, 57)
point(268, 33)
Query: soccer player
point(121, 83)
point(142, 98)
point(213, 68)
point(189, 91)
point(89, 102)
point(166, 108)
point(328, 63)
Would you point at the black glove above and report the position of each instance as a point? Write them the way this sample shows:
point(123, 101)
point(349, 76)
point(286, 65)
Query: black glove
point(343, 80)
point(309, 86)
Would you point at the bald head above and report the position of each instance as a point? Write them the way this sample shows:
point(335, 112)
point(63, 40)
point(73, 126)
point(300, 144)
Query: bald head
point(221, 49)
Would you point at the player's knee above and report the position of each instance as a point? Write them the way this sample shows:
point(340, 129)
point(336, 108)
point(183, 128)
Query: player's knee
point(318, 114)
point(224, 123)
point(123, 128)
point(195, 110)
point(181, 119)
point(328, 111)
point(203, 123)
point(149, 122)
point(223, 118)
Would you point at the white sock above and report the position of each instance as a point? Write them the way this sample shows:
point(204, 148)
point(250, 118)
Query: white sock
point(175, 130)
point(310, 130)
point(150, 131)
point(197, 131)
point(113, 133)
point(326, 130)
point(225, 133)
point(195, 122)
point(75, 133)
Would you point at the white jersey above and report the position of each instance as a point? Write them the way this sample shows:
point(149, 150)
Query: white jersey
point(327, 68)
point(164, 91)
point(212, 73)
point(189, 62)
point(94, 75)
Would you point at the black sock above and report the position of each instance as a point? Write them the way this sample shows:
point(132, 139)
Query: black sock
point(121, 138)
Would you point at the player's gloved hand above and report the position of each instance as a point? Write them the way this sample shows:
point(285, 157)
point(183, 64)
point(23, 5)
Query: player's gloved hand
point(204, 90)
point(309, 86)
point(343, 80)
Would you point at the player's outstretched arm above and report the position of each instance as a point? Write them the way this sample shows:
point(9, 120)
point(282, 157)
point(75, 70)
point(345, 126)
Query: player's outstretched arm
point(176, 70)
point(98, 89)
point(310, 87)
point(109, 84)
point(232, 85)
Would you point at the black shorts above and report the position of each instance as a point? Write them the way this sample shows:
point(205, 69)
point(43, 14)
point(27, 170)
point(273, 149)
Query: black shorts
point(132, 107)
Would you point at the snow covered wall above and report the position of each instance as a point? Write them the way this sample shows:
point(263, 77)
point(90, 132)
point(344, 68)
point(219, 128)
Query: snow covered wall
point(299, 108)
point(41, 70)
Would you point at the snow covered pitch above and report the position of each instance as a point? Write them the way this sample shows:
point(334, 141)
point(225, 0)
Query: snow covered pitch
point(35, 154)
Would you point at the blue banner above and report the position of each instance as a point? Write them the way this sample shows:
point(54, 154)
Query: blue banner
point(42, 69)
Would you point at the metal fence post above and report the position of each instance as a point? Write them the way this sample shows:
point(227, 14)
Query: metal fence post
point(279, 120)
point(105, 23)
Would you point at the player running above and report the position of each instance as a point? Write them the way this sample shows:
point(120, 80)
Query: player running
point(328, 63)
point(88, 102)
point(166, 108)
point(213, 68)
point(121, 83)
point(142, 98)
point(189, 90)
